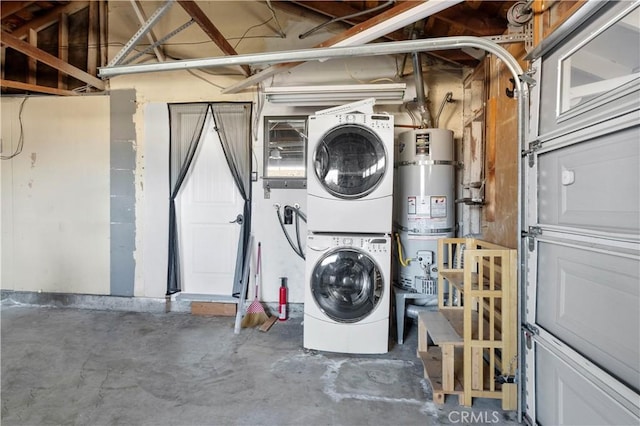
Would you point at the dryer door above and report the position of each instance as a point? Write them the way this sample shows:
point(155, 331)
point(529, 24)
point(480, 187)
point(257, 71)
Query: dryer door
point(350, 161)
point(346, 284)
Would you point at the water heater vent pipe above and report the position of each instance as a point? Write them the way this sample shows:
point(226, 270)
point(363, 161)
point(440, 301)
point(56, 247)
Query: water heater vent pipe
point(425, 116)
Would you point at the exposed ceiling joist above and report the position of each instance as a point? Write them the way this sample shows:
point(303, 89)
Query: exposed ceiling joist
point(93, 39)
point(35, 88)
point(49, 19)
point(42, 56)
point(391, 20)
point(472, 24)
point(207, 26)
point(11, 7)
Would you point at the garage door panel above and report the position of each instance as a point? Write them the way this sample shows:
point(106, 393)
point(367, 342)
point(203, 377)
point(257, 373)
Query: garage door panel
point(578, 293)
point(586, 82)
point(592, 184)
point(563, 396)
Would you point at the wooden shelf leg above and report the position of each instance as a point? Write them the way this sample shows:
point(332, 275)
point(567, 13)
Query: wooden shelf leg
point(476, 369)
point(448, 382)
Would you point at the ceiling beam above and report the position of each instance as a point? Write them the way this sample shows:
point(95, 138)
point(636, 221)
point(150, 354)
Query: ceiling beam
point(35, 88)
point(331, 9)
point(388, 21)
point(8, 8)
point(207, 26)
point(50, 18)
point(93, 38)
point(63, 47)
point(473, 23)
point(33, 52)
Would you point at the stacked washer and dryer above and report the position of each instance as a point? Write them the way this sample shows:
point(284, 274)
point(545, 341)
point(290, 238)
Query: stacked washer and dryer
point(349, 224)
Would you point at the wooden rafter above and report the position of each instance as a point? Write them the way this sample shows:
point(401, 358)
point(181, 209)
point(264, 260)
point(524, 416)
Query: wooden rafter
point(63, 47)
point(35, 88)
point(32, 64)
point(93, 38)
point(33, 52)
point(207, 26)
point(49, 19)
point(473, 23)
point(8, 8)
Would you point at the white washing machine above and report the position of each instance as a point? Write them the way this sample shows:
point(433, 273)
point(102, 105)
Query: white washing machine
point(350, 173)
point(347, 293)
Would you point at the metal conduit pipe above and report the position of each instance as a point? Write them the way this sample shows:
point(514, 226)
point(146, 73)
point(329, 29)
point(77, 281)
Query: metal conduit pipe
point(447, 98)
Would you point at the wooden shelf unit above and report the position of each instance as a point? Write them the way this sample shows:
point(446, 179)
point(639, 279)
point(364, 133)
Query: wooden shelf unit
point(477, 302)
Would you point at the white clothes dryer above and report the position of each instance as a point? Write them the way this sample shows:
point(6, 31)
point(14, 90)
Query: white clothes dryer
point(350, 173)
point(347, 293)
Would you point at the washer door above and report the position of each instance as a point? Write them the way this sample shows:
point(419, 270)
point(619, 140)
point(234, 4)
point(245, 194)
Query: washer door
point(350, 161)
point(346, 284)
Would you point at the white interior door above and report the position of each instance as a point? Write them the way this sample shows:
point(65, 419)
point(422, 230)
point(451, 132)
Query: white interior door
point(208, 202)
point(582, 195)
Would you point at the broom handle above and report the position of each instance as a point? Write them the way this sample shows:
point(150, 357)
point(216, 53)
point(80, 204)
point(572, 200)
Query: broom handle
point(258, 267)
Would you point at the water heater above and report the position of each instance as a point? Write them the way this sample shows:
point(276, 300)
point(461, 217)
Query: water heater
point(423, 204)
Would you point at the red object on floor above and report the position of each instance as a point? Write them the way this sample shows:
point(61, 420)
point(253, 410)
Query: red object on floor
point(282, 306)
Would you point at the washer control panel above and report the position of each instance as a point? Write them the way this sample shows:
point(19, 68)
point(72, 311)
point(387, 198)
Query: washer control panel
point(378, 245)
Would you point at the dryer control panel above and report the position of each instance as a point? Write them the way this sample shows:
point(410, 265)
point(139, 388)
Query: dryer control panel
point(375, 121)
point(368, 244)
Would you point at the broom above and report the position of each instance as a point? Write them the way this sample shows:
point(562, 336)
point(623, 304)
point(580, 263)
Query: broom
point(255, 314)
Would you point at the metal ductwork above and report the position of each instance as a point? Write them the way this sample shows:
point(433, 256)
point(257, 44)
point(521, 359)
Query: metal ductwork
point(425, 116)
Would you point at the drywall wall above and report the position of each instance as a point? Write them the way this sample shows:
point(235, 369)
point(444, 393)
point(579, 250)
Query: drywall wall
point(55, 194)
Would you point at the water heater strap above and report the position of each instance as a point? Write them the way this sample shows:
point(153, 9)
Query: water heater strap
point(423, 232)
point(428, 163)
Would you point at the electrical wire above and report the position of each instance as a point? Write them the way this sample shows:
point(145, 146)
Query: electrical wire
point(298, 234)
point(275, 18)
point(299, 215)
point(242, 37)
point(204, 79)
point(297, 250)
point(343, 18)
point(20, 144)
point(375, 80)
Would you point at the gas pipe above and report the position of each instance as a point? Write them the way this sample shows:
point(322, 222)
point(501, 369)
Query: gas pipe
point(282, 306)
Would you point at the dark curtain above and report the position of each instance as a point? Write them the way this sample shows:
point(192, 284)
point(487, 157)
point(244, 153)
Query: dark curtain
point(233, 124)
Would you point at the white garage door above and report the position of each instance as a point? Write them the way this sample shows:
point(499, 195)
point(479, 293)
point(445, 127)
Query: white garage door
point(582, 220)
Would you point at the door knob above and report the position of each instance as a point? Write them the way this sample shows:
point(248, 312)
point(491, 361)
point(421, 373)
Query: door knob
point(239, 219)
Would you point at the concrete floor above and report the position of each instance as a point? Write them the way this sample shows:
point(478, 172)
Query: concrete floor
point(90, 367)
